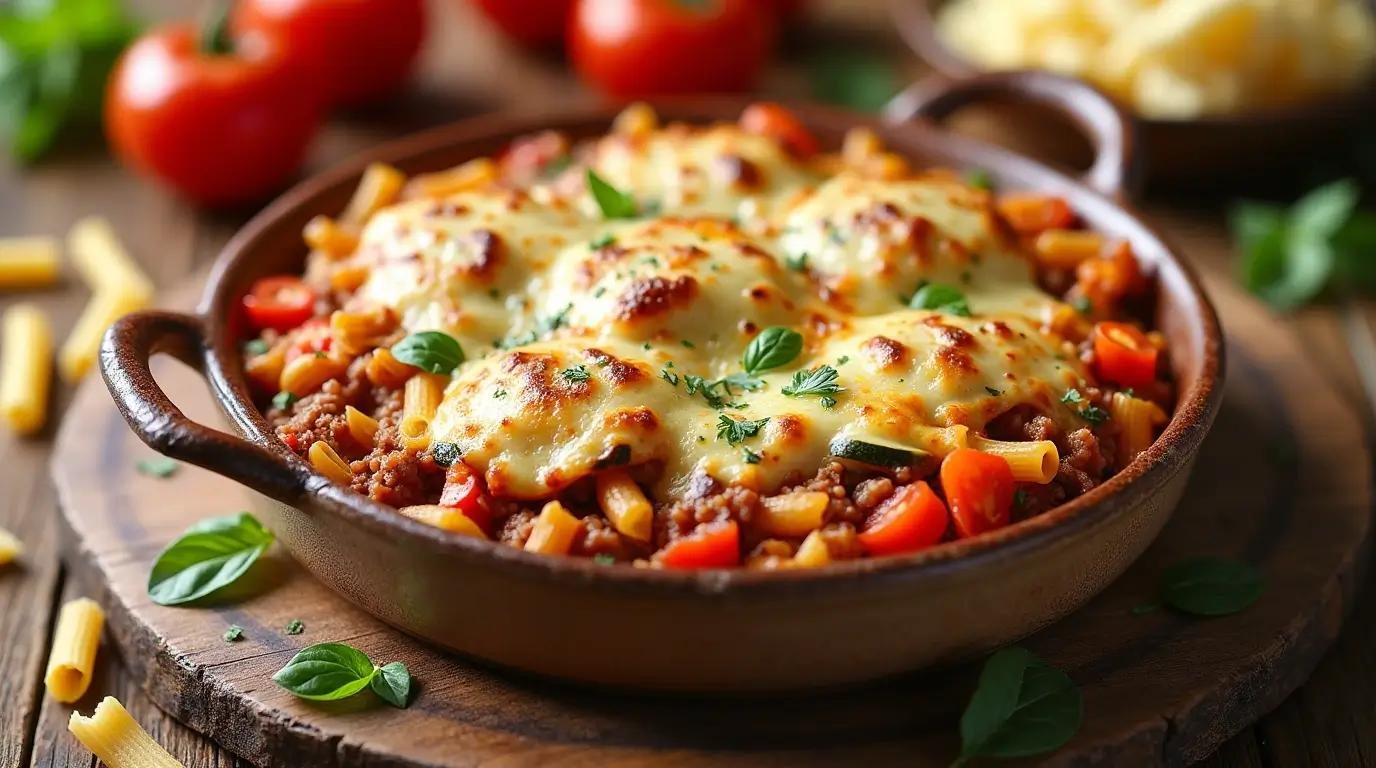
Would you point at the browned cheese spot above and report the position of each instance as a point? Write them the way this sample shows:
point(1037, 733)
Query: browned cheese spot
point(948, 336)
point(737, 172)
point(788, 430)
point(637, 419)
point(652, 296)
point(619, 373)
point(953, 362)
point(884, 352)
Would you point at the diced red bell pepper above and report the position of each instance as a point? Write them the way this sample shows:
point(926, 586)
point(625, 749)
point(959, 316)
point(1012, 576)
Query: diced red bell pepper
point(911, 519)
point(715, 545)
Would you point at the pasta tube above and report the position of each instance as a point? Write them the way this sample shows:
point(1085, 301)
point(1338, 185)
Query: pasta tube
point(73, 657)
point(78, 352)
point(625, 505)
point(104, 263)
point(1037, 461)
point(553, 531)
point(29, 262)
point(448, 518)
point(117, 739)
point(379, 187)
point(422, 395)
point(10, 547)
point(328, 463)
point(1137, 420)
point(362, 427)
point(25, 368)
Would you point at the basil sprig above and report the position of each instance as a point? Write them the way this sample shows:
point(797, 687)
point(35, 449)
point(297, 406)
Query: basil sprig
point(613, 203)
point(1022, 707)
point(212, 554)
point(333, 671)
point(941, 298)
point(774, 347)
point(430, 351)
point(1208, 586)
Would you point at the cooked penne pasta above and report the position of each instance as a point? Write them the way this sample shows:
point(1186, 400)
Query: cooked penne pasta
point(78, 352)
point(384, 370)
point(29, 262)
point(423, 395)
point(470, 175)
point(26, 364)
point(448, 518)
point(624, 504)
point(117, 739)
point(362, 427)
point(327, 236)
point(794, 514)
point(1137, 421)
point(306, 373)
point(73, 655)
point(328, 463)
point(104, 263)
point(266, 369)
point(1066, 248)
point(415, 432)
point(360, 331)
point(553, 531)
point(10, 547)
point(380, 187)
point(635, 121)
point(1036, 461)
point(860, 145)
point(813, 552)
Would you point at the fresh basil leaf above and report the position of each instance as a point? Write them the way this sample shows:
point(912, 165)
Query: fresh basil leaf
point(940, 298)
point(211, 555)
point(1309, 265)
point(1323, 212)
point(326, 672)
point(855, 79)
point(392, 684)
point(1356, 249)
point(159, 466)
point(774, 347)
point(1211, 586)
point(613, 203)
point(431, 351)
point(1022, 707)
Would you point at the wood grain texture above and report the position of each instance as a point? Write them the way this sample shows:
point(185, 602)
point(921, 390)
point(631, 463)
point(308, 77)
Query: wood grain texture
point(1159, 689)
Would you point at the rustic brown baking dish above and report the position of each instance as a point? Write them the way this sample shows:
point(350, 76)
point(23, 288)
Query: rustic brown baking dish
point(710, 631)
point(1227, 150)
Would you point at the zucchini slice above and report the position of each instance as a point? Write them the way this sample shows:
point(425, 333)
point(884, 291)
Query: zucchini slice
point(873, 452)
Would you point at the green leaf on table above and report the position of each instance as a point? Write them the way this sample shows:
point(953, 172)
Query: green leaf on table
point(855, 79)
point(211, 555)
point(1021, 707)
point(392, 684)
point(158, 466)
point(326, 672)
point(1210, 586)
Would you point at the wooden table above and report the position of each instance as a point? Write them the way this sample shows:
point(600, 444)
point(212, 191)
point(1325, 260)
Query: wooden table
point(1331, 721)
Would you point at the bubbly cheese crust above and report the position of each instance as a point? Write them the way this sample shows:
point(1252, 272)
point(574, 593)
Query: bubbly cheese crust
point(588, 340)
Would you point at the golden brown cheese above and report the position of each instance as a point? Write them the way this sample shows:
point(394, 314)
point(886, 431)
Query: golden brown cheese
point(584, 336)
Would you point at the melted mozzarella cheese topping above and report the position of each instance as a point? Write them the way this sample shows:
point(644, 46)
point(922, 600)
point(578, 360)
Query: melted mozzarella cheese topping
point(586, 337)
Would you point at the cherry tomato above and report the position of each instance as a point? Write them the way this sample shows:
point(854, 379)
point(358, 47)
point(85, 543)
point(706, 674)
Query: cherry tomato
point(715, 545)
point(979, 488)
point(281, 302)
point(1123, 355)
point(776, 122)
point(638, 48)
point(911, 519)
point(532, 23)
point(355, 51)
point(221, 128)
point(464, 492)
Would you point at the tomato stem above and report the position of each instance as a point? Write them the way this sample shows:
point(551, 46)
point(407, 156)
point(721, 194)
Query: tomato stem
point(215, 38)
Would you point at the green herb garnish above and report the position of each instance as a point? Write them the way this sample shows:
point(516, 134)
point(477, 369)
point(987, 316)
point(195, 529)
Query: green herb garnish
point(543, 326)
point(212, 554)
point(602, 242)
point(852, 78)
point(1083, 305)
point(774, 347)
point(818, 381)
point(734, 432)
point(255, 348)
point(670, 377)
point(940, 298)
point(499, 394)
point(1210, 586)
point(431, 351)
point(979, 179)
point(159, 466)
point(1072, 396)
point(797, 263)
point(283, 399)
point(749, 456)
point(613, 203)
point(575, 374)
point(332, 671)
point(1021, 707)
point(235, 632)
point(602, 558)
point(992, 392)
point(295, 627)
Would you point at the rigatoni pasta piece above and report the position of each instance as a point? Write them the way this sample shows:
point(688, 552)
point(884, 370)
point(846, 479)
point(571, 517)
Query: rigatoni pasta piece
point(117, 739)
point(305, 373)
point(10, 547)
point(414, 432)
point(79, 350)
point(1066, 248)
point(26, 365)
point(328, 463)
point(73, 656)
point(380, 186)
point(362, 427)
point(360, 331)
point(384, 370)
point(636, 121)
point(324, 234)
point(448, 518)
point(624, 504)
point(103, 262)
point(470, 175)
point(1137, 422)
point(29, 262)
point(1036, 461)
point(553, 531)
point(423, 395)
point(793, 514)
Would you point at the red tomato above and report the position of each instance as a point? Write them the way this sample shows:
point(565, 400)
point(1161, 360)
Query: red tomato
point(1123, 355)
point(715, 545)
point(223, 129)
point(911, 519)
point(776, 122)
point(463, 491)
point(979, 488)
point(281, 302)
point(532, 23)
point(638, 48)
point(355, 51)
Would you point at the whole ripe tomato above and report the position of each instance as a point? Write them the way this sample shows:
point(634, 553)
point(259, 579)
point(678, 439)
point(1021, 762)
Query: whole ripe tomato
point(532, 23)
point(356, 51)
point(223, 128)
point(638, 48)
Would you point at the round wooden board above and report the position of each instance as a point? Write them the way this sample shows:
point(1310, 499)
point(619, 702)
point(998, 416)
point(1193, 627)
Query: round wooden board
point(1283, 482)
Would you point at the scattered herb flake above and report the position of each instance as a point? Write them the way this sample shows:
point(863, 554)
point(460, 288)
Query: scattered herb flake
point(686, 343)
point(235, 632)
point(1072, 396)
point(1094, 415)
point(158, 466)
point(818, 381)
point(797, 263)
point(602, 242)
point(739, 381)
point(255, 348)
point(827, 402)
point(843, 359)
point(1083, 305)
point(575, 374)
point(499, 394)
point(669, 376)
point(979, 179)
point(993, 392)
point(283, 400)
point(733, 431)
point(601, 289)
point(295, 627)
point(749, 456)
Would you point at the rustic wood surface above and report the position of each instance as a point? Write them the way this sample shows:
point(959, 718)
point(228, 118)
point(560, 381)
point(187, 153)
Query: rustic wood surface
point(1330, 721)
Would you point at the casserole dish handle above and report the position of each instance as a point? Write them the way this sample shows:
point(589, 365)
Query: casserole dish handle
point(1117, 169)
point(124, 356)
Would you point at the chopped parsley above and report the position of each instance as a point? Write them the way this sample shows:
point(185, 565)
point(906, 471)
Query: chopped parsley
point(543, 326)
point(256, 347)
point(601, 289)
point(499, 394)
point(686, 343)
point(734, 432)
point(826, 402)
point(941, 298)
point(992, 391)
point(1072, 396)
point(602, 242)
point(235, 632)
point(295, 627)
point(1089, 413)
point(843, 359)
point(320, 355)
point(834, 234)
point(1083, 305)
point(575, 374)
point(739, 381)
point(646, 345)
point(651, 260)
point(797, 263)
point(695, 384)
point(818, 381)
point(669, 376)
point(604, 361)
point(749, 456)
point(602, 558)
point(283, 399)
